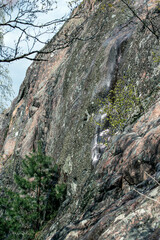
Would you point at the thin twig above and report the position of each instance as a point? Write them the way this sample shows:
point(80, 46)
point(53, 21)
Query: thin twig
point(152, 199)
point(143, 22)
point(152, 178)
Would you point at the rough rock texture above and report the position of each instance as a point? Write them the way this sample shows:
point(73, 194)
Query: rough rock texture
point(121, 198)
point(55, 104)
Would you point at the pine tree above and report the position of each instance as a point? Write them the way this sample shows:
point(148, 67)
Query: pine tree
point(36, 199)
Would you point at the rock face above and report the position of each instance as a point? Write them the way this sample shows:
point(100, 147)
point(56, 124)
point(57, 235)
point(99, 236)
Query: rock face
point(56, 103)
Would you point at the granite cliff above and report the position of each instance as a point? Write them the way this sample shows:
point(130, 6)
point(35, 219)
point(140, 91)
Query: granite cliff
point(112, 192)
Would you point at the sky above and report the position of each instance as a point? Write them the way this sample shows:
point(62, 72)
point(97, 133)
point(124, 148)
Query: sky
point(17, 69)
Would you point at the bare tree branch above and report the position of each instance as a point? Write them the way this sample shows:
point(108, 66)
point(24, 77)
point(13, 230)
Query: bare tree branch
point(22, 17)
point(142, 21)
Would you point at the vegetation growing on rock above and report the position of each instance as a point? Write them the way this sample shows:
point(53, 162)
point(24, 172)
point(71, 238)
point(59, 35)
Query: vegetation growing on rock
point(71, 81)
point(121, 106)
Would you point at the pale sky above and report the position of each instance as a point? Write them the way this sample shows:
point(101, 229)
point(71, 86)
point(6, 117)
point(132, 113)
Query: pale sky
point(17, 69)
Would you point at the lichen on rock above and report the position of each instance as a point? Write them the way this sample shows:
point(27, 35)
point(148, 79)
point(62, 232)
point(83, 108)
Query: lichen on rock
point(57, 104)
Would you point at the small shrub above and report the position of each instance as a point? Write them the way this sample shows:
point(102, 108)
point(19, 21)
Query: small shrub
point(120, 106)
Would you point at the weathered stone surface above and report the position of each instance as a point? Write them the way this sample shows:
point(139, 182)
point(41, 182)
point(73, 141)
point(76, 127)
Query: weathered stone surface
point(56, 103)
point(121, 199)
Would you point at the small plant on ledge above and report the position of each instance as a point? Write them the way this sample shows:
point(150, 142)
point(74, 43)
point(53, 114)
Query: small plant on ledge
point(121, 106)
